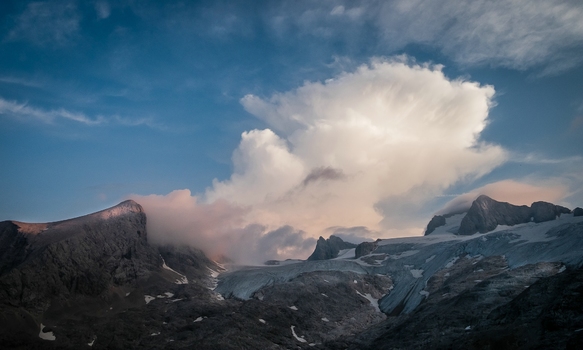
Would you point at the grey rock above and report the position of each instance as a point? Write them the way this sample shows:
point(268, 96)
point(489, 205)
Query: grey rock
point(85, 256)
point(578, 211)
point(436, 221)
point(329, 248)
point(544, 211)
point(365, 248)
point(485, 214)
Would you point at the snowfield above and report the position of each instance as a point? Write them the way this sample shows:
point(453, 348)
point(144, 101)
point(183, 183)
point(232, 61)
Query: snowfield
point(413, 260)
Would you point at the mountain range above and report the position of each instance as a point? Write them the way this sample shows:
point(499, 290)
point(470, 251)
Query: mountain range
point(494, 276)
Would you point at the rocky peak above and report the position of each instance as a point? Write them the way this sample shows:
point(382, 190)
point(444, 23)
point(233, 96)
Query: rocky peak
point(485, 214)
point(329, 248)
point(436, 221)
point(123, 208)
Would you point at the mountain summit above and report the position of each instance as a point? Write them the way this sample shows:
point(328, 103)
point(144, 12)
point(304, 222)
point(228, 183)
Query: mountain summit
point(485, 214)
point(96, 281)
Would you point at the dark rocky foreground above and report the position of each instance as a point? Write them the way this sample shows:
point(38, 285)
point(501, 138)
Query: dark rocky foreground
point(96, 282)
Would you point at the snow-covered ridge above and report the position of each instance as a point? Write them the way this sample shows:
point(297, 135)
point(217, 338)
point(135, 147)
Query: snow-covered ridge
point(411, 261)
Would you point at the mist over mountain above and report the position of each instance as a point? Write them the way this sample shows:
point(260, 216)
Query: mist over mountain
point(100, 281)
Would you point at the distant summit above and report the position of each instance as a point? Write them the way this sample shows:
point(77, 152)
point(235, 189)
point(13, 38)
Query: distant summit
point(329, 248)
point(486, 214)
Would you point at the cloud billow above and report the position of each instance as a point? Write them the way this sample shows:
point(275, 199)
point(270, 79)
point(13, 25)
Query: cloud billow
point(335, 150)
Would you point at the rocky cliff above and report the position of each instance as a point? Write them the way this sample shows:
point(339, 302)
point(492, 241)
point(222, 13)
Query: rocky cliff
point(329, 248)
point(485, 214)
point(86, 255)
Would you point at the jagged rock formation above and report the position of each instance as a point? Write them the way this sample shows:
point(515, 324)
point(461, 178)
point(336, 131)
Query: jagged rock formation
point(86, 256)
point(544, 211)
point(485, 214)
point(516, 287)
point(365, 248)
point(329, 248)
point(436, 221)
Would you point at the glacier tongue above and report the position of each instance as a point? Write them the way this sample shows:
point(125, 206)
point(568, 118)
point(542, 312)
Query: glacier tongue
point(413, 261)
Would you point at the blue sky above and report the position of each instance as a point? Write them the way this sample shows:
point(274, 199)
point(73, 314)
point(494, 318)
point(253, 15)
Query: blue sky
point(104, 100)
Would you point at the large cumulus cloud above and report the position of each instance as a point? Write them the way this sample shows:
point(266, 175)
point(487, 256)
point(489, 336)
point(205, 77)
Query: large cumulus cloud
point(335, 151)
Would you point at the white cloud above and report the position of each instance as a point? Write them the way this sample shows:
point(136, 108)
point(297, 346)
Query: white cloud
point(219, 228)
point(518, 34)
point(22, 111)
point(45, 23)
point(388, 129)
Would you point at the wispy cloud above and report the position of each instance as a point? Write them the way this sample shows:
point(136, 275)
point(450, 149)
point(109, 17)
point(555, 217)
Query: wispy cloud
point(533, 158)
point(24, 112)
point(46, 23)
point(518, 34)
point(20, 81)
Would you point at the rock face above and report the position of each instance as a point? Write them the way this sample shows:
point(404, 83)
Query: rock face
point(578, 212)
point(329, 248)
point(544, 211)
point(517, 287)
point(86, 255)
point(365, 248)
point(436, 221)
point(485, 214)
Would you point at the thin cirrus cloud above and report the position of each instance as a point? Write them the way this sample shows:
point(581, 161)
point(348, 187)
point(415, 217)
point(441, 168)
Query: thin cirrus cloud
point(517, 34)
point(24, 112)
point(46, 23)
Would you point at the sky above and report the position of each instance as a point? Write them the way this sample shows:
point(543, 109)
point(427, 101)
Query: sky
point(266, 124)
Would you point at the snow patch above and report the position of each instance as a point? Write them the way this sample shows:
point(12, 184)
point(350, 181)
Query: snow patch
point(262, 320)
point(45, 335)
point(417, 273)
point(374, 302)
point(155, 333)
point(424, 293)
point(468, 328)
point(182, 280)
point(300, 339)
point(325, 319)
point(451, 262)
point(198, 319)
point(324, 295)
point(562, 269)
point(430, 258)
point(92, 342)
point(293, 307)
point(148, 298)
point(346, 254)
point(404, 254)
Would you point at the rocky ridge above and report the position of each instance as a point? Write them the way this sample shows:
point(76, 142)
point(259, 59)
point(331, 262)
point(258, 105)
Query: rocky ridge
point(443, 290)
point(485, 214)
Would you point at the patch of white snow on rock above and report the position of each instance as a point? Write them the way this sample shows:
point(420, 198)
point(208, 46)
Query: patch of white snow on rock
point(293, 307)
point(300, 339)
point(45, 335)
point(417, 273)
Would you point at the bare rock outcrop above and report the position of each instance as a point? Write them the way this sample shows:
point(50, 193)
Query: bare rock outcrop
point(436, 221)
point(329, 248)
point(84, 256)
